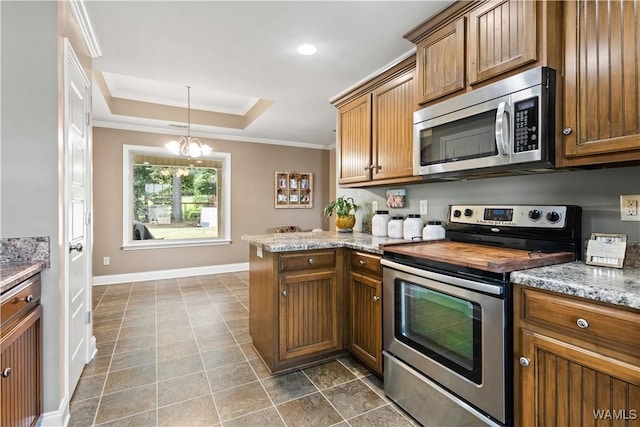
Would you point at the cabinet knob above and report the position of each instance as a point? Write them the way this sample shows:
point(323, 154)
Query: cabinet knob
point(284, 293)
point(362, 262)
point(310, 260)
point(368, 167)
point(375, 298)
point(6, 372)
point(582, 323)
point(27, 299)
point(567, 131)
point(524, 361)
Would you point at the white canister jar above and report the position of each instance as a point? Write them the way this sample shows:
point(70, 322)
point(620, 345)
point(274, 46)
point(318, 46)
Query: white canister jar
point(379, 223)
point(412, 227)
point(433, 231)
point(394, 228)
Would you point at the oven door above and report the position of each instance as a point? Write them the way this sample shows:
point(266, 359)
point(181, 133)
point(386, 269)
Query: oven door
point(451, 330)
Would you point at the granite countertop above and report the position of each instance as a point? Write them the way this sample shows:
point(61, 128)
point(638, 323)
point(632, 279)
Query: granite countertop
point(285, 242)
point(606, 284)
point(12, 274)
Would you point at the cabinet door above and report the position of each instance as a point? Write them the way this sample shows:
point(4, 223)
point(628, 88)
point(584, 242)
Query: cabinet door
point(354, 141)
point(502, 36)
point(565, 385)
point(602, 81)
point(365, 323)
point(393, 106)
point(308, 314)
point(20, 352)
point(440, 62)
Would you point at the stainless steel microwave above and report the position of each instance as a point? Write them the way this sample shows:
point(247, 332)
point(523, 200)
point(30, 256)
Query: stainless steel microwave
point(504, 126)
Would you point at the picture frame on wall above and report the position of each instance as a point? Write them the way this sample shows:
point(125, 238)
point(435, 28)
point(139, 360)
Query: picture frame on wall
point(293, 190)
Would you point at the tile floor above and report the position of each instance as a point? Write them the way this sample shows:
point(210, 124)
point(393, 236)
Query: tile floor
point(177, 353)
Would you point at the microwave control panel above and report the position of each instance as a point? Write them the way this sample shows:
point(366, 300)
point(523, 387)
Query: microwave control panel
point(526, 136)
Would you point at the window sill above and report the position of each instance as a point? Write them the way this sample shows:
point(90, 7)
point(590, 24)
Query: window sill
point(170, 244)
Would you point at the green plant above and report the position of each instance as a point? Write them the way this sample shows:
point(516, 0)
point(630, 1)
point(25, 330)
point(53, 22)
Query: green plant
point(342, 206)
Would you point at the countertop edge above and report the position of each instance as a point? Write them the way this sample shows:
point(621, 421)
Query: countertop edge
point(19, 273)
point(602, 284)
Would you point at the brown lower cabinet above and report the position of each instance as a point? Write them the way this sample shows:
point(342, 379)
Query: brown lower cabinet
point(296, 306)
point(577, 362)
point(20, 356)
point(364, 335)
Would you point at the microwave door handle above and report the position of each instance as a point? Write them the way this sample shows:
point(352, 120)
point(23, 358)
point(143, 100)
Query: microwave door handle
point(502, 122)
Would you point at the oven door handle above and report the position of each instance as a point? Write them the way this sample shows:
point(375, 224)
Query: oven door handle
point(464, 283)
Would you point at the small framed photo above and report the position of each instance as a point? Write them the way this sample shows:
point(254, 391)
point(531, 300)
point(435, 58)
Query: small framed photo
point(396, 198)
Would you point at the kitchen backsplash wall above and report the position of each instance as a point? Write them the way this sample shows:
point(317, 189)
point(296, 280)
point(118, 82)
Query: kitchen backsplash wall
point(596, 191)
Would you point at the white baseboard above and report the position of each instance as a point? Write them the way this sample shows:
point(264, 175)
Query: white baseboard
point(169, 274)
point(57, 418)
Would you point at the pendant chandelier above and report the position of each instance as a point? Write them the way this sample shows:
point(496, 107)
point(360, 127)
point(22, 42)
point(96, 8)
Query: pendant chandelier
point(188, 146)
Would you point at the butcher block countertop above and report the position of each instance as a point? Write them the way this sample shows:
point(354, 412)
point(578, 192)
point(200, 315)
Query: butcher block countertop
point(481, 257)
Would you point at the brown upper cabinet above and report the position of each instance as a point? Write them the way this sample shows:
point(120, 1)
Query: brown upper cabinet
point(375, 129)
point(601, 120)
point(471, 43)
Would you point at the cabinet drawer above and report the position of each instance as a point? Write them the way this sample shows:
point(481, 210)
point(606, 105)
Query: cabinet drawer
point(367, 262)
point(584, 319)
point(306, 260)
point(20, 299)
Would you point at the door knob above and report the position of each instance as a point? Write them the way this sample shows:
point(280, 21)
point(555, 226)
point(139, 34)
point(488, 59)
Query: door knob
point(5, 372)
point(76, 247)
point(284, 293)
point(375, 298)
point(567, 131)
point(524, 361)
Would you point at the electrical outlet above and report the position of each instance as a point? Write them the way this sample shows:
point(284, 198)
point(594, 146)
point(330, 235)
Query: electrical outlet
point(106, 260)
point(423, 207)
point(629, 207)
point(374, 206)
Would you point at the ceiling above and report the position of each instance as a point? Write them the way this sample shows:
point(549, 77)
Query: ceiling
point(240, 60)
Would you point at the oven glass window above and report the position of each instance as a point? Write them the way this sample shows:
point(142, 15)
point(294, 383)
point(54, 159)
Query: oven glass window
point(443, 327)
point(464, 139)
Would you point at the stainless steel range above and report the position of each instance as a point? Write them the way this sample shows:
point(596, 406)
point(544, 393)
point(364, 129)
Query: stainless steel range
point(447, 334)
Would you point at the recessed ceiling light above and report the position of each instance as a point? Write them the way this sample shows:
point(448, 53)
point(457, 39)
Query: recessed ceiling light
point(307, 49)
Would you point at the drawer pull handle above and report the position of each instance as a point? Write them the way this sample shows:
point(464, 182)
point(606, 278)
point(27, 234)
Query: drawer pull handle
point(284, 293)
point(375, 298)
point(6, 372)
point(362, 262)
point(310, 260)
point(27, 299)
point(524, 361)
point(582, 324)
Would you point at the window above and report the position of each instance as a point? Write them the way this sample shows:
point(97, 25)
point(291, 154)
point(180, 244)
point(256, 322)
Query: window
point(172, 201)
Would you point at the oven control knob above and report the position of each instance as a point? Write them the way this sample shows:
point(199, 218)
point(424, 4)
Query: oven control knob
point(457, 213)
point(535, 214)
point(553, 217)
point(468, 212)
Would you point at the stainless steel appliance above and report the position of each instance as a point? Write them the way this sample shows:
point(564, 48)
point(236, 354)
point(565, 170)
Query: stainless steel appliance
point(447, 333)
point(505, 126)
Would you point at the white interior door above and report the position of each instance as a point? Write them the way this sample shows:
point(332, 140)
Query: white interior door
point(78, 201)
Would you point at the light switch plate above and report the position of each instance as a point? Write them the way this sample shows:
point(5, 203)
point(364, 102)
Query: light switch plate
point(423, 207)
point(630, 207)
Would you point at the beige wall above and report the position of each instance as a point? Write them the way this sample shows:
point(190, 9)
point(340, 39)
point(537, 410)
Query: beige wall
point(252, 193)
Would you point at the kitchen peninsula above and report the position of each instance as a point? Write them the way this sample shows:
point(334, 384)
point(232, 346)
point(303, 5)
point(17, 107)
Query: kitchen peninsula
point(314, 295)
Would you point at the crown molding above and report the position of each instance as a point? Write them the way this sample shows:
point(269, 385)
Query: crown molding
point(79, 13)
point(209, 135)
